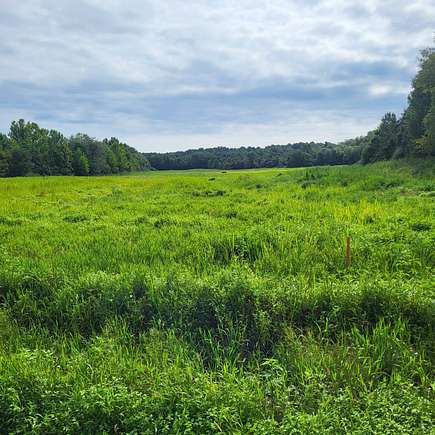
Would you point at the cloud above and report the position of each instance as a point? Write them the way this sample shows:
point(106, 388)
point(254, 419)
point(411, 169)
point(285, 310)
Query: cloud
point(171, 75)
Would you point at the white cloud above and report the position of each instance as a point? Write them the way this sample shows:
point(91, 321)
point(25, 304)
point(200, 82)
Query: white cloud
point(382, 89)
point(157, 67)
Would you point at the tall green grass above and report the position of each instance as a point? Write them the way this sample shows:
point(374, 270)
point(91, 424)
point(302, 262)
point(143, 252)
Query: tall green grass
point(219, 302)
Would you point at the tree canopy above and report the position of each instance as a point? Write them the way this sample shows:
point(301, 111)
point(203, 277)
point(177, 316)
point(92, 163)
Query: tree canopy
point(414, 133)
point(290, 155)
point(29, 149)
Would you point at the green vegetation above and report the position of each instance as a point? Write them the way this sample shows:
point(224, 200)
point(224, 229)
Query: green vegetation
point(414, 133)
point(219, 302)
point(291, 156)
point(31, 150)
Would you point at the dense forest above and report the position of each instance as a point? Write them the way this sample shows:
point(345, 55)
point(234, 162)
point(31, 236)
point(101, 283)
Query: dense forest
point(291, 155)
point(29, 149)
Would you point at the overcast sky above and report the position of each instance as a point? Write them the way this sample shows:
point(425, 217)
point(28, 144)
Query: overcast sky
point(170, 75)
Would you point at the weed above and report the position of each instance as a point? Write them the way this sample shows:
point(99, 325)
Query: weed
point(227, 310)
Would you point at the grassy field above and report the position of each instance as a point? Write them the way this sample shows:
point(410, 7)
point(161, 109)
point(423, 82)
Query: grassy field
point(219, 302)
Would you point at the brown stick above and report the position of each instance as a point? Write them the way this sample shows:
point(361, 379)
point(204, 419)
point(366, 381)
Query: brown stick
point(347, 258)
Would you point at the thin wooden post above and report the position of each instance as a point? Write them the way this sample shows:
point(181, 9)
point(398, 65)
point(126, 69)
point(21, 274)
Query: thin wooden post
point(347, 258)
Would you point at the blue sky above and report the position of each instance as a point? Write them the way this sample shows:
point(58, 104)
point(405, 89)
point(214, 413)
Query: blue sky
point(170, 75)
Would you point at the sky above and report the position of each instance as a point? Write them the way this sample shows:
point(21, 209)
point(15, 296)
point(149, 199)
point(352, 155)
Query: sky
point(173, 75)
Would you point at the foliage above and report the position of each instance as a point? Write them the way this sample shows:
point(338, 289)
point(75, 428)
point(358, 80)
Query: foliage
point(414, 133)
point(291, 155)
point(384, 141)
point(29, 149)
point(80, 162)
point(219, 302)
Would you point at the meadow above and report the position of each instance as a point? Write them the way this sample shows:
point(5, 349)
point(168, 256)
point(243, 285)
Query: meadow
point(219, 301)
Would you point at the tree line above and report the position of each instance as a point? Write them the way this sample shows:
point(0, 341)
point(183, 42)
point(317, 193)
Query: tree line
point(413, 134)
point(29, 149)
point(290, 155)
